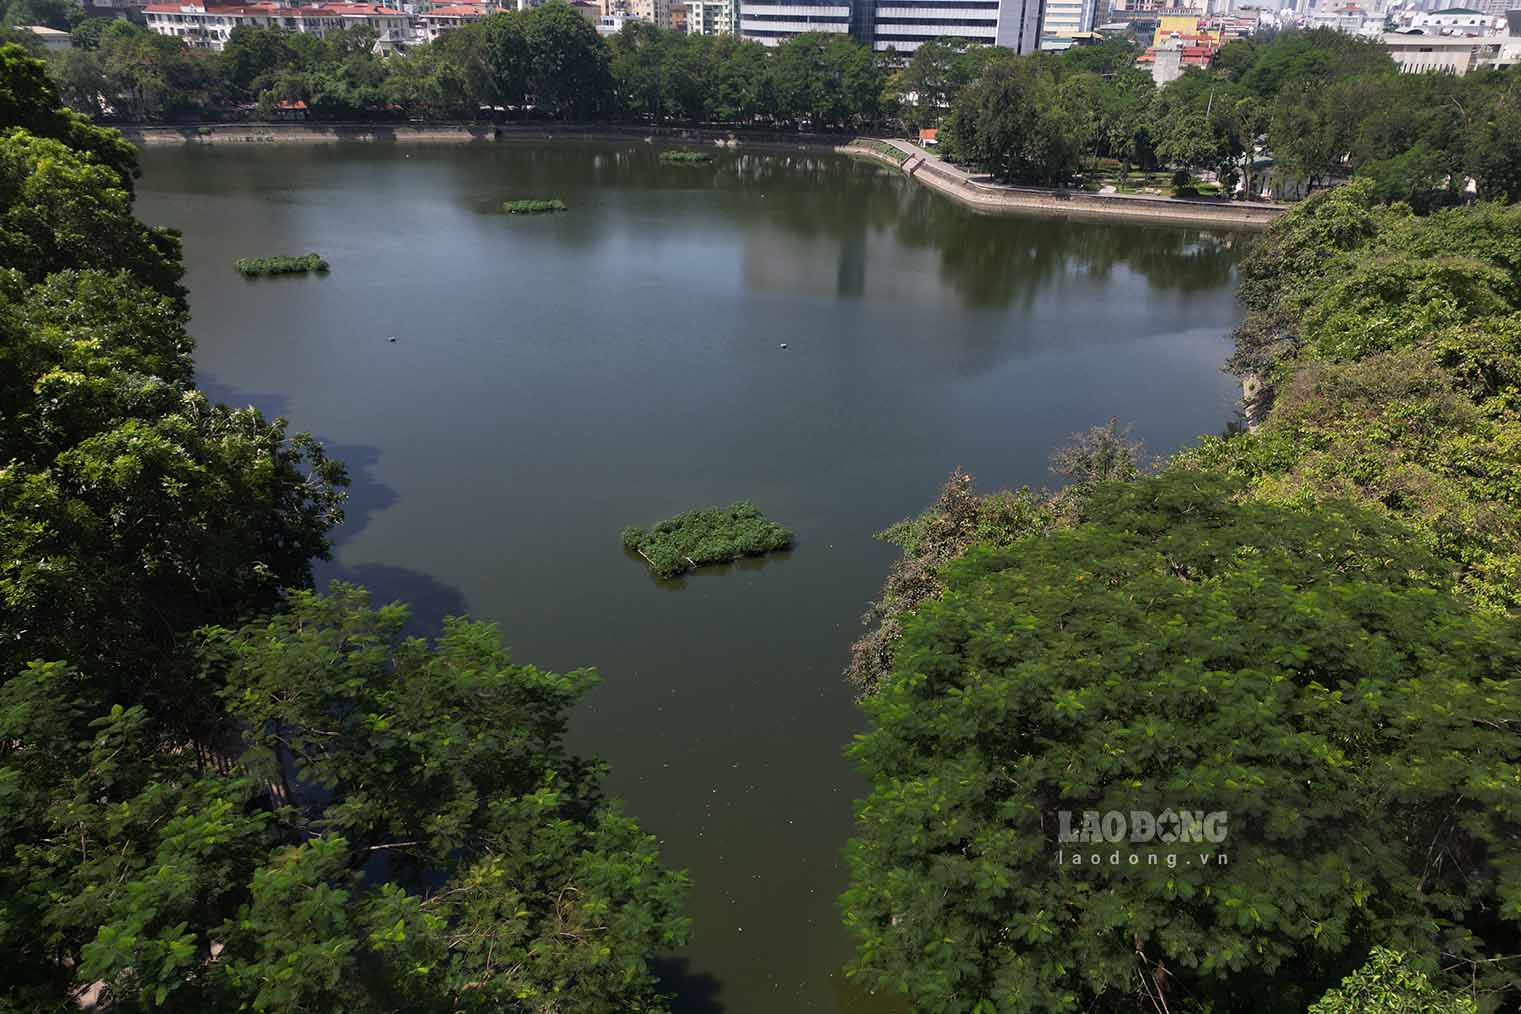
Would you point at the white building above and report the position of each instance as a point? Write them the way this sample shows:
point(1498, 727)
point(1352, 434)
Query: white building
point(1350, 19)
point(712, 17)
point(207, 26)
point(771, 22)
point(1445, 54)
point(435, 21)
point(1455, 21)
point(52, 39)
point(1067, 18)
point(902, 25)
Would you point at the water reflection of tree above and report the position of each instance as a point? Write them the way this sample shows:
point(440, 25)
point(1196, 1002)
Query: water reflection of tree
point(988, 261)
point(997, 261)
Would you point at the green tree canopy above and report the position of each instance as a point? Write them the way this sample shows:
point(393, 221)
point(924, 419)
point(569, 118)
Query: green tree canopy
point(1304, 671)
point(511, 882)
point(1023, 121)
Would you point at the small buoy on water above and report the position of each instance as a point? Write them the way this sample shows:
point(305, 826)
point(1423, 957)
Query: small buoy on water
point(391, 339)
point(784, 344)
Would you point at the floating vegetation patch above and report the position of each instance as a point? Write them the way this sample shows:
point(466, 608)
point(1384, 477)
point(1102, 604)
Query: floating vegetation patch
point(253, 267)
point(686, 157)
point(533, 207)
point(707, 535)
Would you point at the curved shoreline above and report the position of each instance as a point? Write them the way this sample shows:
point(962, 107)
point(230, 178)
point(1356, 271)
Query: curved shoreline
point(980, 195)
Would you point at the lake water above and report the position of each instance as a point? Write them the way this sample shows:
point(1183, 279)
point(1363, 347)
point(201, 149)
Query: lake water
point(555, 378)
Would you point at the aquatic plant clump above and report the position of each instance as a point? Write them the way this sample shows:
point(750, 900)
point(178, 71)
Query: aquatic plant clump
point(252, 267)
point(706, 535)
point(533, 207)
point(686, 157)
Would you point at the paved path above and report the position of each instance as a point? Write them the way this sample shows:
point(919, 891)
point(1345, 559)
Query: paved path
point(919, 156)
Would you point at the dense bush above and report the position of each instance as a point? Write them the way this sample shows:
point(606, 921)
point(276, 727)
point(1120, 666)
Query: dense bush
point(252, 267)
point(1390, 350)
point(706, 535)
point(1388, 984)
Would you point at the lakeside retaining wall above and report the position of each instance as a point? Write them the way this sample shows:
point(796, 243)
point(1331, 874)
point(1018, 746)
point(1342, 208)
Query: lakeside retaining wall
point(1081, 204)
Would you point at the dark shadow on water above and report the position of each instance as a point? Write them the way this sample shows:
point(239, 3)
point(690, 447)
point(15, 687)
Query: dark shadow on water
point(272, 405)
point(429, 599)
point(367, 496)
point(691, 992)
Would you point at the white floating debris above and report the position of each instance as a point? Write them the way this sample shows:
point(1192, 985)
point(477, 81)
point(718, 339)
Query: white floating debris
point(784, 344)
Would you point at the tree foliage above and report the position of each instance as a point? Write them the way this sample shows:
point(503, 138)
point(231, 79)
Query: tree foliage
point(1388, 984)
point(1303, 670)
point(1024, 120)
point(218, 790)
point(1389, 344)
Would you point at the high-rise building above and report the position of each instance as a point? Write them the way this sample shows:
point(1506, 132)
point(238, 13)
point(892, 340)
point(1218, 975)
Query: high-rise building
point(774, 21)
point(1066, 18)
point(902, 25)
point(899, 25)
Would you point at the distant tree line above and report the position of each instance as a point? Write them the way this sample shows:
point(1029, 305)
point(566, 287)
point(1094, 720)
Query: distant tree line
point(547, 62)
point(1326, 104)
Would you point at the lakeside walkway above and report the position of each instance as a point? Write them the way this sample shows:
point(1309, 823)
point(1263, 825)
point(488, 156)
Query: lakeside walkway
point(983, 193)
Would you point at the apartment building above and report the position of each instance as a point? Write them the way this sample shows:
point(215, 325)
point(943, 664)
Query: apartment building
point(207, 25)
point(771, 22)
point(1065, 19)
point(712, 17)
